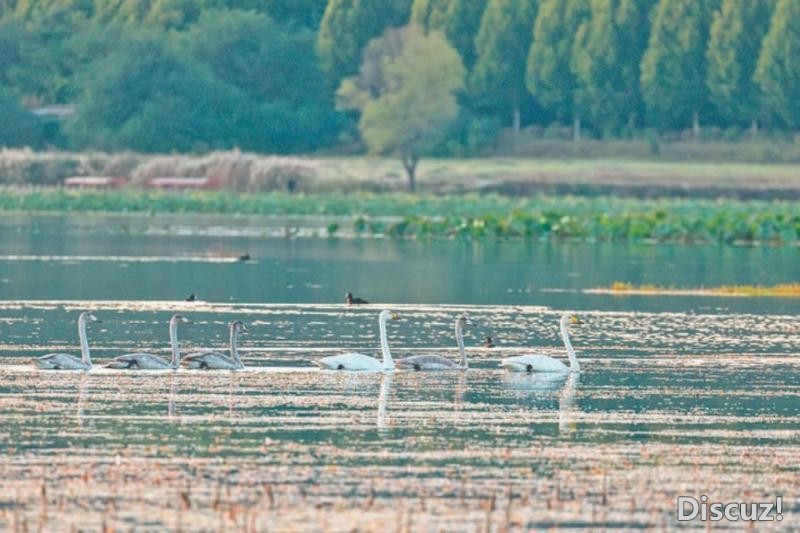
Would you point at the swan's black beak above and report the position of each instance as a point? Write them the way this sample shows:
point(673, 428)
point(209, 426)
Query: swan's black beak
point(98, 320)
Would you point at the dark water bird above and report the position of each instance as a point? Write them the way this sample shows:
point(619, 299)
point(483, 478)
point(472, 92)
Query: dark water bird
point(353, 300)
point(64, 361)
point(244, 257)
point(190, 298)
point(488, 343)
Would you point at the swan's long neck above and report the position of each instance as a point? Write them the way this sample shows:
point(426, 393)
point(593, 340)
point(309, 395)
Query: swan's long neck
point(574, 365)
point(234, 345)
point(460, 342)
point(173, 343)
point(86, 357)
point(388, 362)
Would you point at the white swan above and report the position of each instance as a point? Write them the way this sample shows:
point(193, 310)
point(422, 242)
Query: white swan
point(216, 360)
point(544, 363)
point(361, 362)
point(437, 362)
point(65, 361)
point(148, 361)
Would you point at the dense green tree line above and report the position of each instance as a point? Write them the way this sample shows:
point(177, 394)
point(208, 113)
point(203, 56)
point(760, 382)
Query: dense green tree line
point(164, 75)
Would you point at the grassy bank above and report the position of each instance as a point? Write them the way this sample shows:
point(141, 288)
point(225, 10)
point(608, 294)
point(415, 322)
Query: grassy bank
point(547, 175)
point(401, 215)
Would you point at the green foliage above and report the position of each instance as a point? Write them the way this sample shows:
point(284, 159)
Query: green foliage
point(778, 70)
point(18, 126)
point(147, 97)
point(406, 216)
point(40, 65)
point(347, 26)
point(459, 19)
point(37, 9)
point(546, 60)
point(550, 76)
point(502, 44)
point(273, 66)
point(12, 36)
point(406, 103)
point(306, 13)
point(606, 57)
point(734, 44)
point(673, 67)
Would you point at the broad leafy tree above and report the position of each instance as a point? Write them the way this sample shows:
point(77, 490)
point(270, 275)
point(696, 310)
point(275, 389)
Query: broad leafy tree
point(406, 94)
point(146, 97)
point(272, 64)
point(18, 126)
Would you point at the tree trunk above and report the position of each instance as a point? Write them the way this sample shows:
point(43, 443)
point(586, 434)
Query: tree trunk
point(754, 128)
point(515, 124)
point(696, 125)
point(410, 164)
point(576, 128)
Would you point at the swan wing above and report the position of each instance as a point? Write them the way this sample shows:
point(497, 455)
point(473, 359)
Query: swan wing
point(534, 363)
point(427, 362)
point(60, 361)
point(138, 361)
point(210, 360)
point(351, 362)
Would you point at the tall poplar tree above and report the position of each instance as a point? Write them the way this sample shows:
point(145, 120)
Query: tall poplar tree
point(606, 58)
point(459, 19)
point(733, 48)
point(346, 28)
point(502, 45)
point(549, 74)
point(778, 70)
point(674, 65)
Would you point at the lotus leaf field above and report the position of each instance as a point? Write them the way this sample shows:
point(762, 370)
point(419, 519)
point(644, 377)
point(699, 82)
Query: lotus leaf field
point(470, 216)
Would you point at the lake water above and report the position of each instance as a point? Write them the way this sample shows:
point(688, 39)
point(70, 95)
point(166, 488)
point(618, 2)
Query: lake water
point(677, 395)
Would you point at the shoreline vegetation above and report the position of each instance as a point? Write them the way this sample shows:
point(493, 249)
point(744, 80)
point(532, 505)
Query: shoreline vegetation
point(783, 290)
point(557, 173)
point(469, 216)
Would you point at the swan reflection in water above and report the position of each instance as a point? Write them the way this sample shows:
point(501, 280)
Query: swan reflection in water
point(537, 391)
point(383, 400)
point(459, 394)
point(171, 398)
point(81, 399)
point(567, 410)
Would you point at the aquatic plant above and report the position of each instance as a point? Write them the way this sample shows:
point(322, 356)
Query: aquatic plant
point(782, 290)
point(468, 216)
